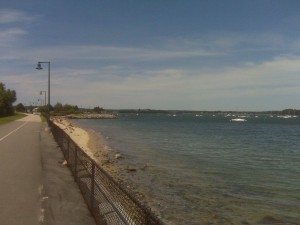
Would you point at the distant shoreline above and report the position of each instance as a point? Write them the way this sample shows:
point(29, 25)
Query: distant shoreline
point(290, 111)
point(91, 116)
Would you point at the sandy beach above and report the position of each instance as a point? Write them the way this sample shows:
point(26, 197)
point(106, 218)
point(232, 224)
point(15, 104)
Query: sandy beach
point(92, 143)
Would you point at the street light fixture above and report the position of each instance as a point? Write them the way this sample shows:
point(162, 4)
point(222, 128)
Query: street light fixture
point(39, 67)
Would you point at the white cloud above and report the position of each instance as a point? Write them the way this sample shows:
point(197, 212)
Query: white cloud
point(118, 80)
point(97, 52)
point(230, 89)
point(230, 42)
point(13, 30)
point(208, 48)
point(13, 16)
point(10, 36)
point(171, 88)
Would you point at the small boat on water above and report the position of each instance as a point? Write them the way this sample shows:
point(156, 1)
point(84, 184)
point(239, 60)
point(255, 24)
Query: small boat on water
point(238, 120)
point(285, 116)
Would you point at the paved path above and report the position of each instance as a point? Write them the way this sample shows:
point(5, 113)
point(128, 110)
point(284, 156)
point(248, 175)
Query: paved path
point(20, 171)
point(35, 189)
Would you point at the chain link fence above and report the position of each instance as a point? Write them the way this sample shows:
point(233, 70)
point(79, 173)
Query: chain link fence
point(108, 201)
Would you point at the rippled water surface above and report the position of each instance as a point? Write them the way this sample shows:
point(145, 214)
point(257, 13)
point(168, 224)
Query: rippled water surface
point(209, 170)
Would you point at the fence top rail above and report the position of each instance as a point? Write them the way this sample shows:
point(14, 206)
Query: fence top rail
point(145, 208)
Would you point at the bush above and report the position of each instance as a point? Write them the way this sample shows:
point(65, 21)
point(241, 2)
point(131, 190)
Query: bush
point(7, 98)
point(20, 108)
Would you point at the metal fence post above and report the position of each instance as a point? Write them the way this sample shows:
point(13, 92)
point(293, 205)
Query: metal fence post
point(92, 186)
point(63, 142)
point(75, 166)
point(61, 135)
point(68, 150)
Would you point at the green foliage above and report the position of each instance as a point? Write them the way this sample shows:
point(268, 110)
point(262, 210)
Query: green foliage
point(98, 109)
point(8, 119)
point(7, 98)
point(20, 108)
point(60, 109)
point(43, 117)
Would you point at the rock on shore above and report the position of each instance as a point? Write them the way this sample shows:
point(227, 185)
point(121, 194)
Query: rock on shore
point(91, 116)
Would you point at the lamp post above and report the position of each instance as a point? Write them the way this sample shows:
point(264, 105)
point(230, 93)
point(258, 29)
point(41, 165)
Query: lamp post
point(41, 93)
point(39, 67)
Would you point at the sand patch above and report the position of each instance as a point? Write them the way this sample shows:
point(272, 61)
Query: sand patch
point(90, 142)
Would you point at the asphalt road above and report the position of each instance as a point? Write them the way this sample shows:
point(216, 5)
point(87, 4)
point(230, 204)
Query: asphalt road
point(35, 187)
point(20, 171)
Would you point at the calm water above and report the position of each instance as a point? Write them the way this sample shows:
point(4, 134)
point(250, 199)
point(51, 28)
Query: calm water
point(208, 170)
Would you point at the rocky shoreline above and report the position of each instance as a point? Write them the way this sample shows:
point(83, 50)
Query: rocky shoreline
point(89, 142)
point(91, 116)
point(94, 145)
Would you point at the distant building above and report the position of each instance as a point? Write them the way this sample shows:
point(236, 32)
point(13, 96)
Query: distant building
point(35, 111)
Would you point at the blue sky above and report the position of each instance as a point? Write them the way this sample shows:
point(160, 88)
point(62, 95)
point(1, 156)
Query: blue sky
point(159, 54)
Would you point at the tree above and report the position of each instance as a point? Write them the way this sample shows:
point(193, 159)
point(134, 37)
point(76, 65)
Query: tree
point(58, 107)
point(20, 108)
point(98, 109)
point(7, 98)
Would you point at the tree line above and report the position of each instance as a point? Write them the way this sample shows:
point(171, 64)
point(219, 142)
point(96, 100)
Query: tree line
point(60, 109)
point(7, 98)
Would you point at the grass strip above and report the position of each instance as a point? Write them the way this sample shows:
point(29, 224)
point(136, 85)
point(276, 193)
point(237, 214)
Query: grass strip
point(8, 119)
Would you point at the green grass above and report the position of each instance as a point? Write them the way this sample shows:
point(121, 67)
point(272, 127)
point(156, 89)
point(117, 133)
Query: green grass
point(43, 118)
point(8, 119)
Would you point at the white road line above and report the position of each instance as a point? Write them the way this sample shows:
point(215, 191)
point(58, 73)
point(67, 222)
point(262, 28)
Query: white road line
point(1, 139)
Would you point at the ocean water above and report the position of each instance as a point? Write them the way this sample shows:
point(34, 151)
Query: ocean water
point(209, 170)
